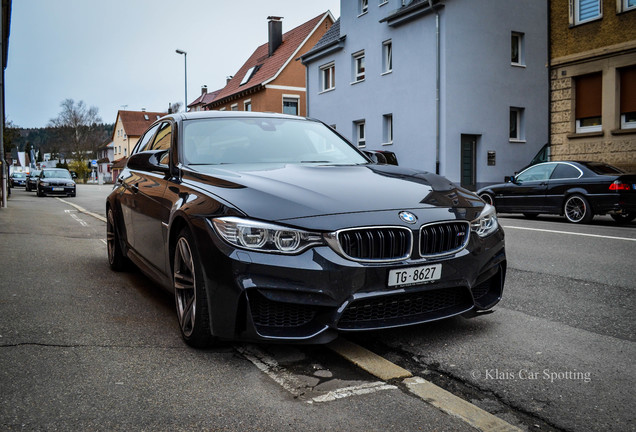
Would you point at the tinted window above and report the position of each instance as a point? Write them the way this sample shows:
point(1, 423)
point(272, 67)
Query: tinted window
point(565, 171)
point(536, 173)
point(162, 140)
point(143, 142)
point(264, 140)
point(602, 169)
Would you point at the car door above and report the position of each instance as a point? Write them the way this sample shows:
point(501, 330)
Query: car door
point(150, 208)
point(129, 180)
point(528, 190)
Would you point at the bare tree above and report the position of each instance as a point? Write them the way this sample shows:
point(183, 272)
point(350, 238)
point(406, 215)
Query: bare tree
point(77, 128)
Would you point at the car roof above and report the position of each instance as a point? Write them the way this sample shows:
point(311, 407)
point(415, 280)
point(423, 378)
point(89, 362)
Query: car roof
point(231, 114)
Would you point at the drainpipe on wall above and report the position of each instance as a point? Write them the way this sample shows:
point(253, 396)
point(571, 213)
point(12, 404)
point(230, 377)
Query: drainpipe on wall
point(437, 88)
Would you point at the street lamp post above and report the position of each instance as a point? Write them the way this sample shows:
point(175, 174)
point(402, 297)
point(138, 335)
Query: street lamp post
point(185, 66)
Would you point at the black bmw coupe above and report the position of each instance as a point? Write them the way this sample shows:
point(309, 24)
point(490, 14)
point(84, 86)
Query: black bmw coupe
point(271, 227)
point(577, 190)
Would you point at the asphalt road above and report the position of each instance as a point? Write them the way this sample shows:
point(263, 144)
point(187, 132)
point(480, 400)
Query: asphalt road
point(83, 348)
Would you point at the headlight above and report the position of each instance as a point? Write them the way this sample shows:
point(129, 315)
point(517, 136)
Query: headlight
point(44, 183)
point(70, 184)
point(264, 237)
point(486, 223)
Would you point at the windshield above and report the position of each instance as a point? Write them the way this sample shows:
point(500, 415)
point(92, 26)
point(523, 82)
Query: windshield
point(264, 140)
point(56, 174)
point(18, 175)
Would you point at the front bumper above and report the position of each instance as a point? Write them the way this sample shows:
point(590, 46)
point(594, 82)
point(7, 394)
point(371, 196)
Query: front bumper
point(56, 190)
point(312, 296)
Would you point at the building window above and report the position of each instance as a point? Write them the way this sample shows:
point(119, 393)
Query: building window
point(627, 5)
point(234, 107)
point(248, 75)
point(360, 133)
point(588, 101)
point(516, 125)
point(290, 105)
point(585, 11)
point(517, 55)
point(383, 2)
point(363, 7)
point(125, 152)
point(628, 97)
point(387, 56)
point(387, 129)
point(358, 66)
point(328, 77)
point(247, 105)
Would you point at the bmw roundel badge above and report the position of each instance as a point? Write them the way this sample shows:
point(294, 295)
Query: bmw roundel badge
point(408, 217)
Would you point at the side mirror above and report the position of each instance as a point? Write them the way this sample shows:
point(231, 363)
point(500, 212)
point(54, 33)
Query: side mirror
point(509, 179)
point(73, 175)
point(148, 161)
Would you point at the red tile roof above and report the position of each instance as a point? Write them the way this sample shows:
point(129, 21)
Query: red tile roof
point(269, 67)
point(136, 122)
point(205, 98)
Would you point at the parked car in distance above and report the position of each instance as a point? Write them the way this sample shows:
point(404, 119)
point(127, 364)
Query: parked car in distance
point(270, 227)
point(55, 181)
point(17, 179)
point(32, 180)
point(577, 190)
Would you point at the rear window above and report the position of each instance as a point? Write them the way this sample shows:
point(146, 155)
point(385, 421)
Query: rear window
point(603, 169)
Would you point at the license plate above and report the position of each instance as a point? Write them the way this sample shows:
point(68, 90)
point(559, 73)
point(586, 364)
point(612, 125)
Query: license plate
point(57, 189)
point(414, 275)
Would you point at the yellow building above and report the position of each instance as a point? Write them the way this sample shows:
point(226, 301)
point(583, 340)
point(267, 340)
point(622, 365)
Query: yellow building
point(593, 81)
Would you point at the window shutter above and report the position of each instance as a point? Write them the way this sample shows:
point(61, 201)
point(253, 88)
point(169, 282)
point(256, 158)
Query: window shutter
point(628, 90)
point(589, 91)
point(589, 9)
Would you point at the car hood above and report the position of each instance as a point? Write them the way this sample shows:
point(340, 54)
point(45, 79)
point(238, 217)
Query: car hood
point(290, 191)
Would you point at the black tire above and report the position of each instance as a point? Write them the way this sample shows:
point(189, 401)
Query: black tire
point(487, 198)
point(38, 193)
point(190, 293)
point(531, 215)
point(577, 209)
point(116, 258)
point(623, 218)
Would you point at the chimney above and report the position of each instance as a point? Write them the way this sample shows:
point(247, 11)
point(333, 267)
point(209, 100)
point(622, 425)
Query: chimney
point(228, 79)
point(204, 90)
point(275, 33)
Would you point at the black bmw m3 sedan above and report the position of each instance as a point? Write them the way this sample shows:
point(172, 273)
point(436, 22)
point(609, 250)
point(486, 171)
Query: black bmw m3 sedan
point(269, 227)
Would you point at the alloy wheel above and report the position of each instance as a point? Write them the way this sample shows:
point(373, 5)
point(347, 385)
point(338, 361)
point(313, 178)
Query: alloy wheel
point(185, 287)
point(575, 209)
point(110, 236)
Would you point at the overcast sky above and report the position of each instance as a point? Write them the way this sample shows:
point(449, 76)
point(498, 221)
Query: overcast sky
point(117, 53)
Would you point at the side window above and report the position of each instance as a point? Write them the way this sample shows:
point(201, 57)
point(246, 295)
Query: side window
point(163, 139)
point(536, 173)
point(565, 171)
point(143, 142)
